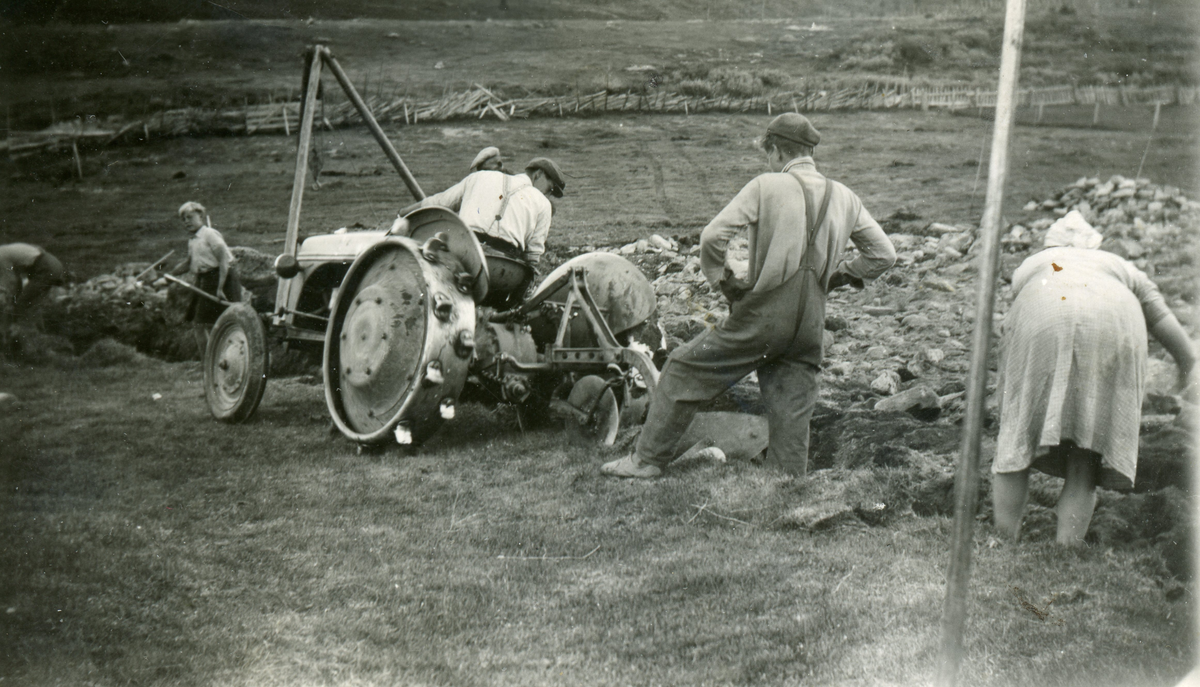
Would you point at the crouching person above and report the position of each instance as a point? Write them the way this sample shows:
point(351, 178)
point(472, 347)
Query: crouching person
point(798, 223)
point(26, 273)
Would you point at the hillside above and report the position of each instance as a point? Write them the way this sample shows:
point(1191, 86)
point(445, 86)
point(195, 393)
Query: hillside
point(61, 71)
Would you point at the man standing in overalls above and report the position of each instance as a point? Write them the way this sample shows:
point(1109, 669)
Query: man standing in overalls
point(798, 223)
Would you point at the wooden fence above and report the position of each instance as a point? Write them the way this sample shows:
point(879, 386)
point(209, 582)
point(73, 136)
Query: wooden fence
point(480, 103)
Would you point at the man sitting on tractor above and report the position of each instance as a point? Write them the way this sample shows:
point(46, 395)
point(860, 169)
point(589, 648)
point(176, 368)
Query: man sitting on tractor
point(488, 159)
point(508, 212)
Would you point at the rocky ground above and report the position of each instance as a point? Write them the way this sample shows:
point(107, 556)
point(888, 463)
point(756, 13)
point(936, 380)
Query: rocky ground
point(897, 352)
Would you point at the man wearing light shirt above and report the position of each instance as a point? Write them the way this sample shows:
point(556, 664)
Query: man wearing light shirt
point(798, 224)
point(510, 212)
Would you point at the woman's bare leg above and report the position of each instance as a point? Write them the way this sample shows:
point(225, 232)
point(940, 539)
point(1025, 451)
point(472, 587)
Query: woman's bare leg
point(1010, 491)
point(200, 333)
point(1078, 498)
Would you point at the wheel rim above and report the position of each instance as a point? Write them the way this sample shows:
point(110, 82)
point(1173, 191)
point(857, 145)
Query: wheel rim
point(380, 341)
point(231, 367)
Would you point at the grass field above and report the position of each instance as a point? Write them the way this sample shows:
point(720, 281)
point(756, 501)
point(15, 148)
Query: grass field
point(101, 69)
point(628, 176)
point(148, 545)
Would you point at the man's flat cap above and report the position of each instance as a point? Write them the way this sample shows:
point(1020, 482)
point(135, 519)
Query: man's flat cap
point(796, 128)
point(483, 156)
point(552, 172)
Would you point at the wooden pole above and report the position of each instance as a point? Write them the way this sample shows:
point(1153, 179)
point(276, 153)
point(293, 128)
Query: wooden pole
point(1145, 152)
point(154, 264)
point(388, 149)
point(308, 113)
point(966, 478)
point(1194, 477)
point(198, 291)
point(79, 163)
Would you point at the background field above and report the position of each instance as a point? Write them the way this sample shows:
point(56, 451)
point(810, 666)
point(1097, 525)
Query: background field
point(102, 69)
point(146, 544)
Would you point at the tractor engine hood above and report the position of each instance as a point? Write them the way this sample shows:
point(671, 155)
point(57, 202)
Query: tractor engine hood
point(337, 247)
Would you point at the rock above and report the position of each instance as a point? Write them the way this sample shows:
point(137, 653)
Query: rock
point(843, 369)
point(839, 350)
point(835, 323)
point(933, 355)
point(938, 284)
point(912, 370)
point(877, 352)
point(660, 242)
point(940, 229)
point(915, 321)
point(879, 310)
point(820, 516)
point(712, 453)
point(920, 399)
point(887, 383)
point(903, 241)
point(8, 401)
point(628, 249)
point(950, 253)
point(1161, 404)
point(1126, 248)
point(827, 339)
point(739, 436)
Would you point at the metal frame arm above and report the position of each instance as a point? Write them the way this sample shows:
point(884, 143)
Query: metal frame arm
point(376, 131)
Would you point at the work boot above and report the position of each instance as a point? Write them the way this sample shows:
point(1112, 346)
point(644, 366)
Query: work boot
point(795, 468)
point(630, 466)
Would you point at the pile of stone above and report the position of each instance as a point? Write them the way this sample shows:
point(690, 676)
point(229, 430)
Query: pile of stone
point(686, 302)
point(903, 343)
point(1140, 220)
point(141, 308)
point(1115, 201)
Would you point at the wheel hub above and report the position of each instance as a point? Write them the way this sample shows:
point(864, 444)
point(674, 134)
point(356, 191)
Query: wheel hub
point(229, 377)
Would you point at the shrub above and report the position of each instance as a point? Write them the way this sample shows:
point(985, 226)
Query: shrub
point(695, 87)
point(974, 38)
point(736, 82)
point(911, 52)
point(774, 78)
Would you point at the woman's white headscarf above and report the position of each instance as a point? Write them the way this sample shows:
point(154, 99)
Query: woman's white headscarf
point(1072, 230)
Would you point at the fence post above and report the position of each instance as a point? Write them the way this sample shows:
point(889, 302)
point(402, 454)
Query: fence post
point(78, 162)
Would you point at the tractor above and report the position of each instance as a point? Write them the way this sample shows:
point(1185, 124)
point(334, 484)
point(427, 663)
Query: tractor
point(411, 319)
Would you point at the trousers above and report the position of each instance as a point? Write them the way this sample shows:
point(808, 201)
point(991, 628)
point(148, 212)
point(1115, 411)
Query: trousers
point(776, 333)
